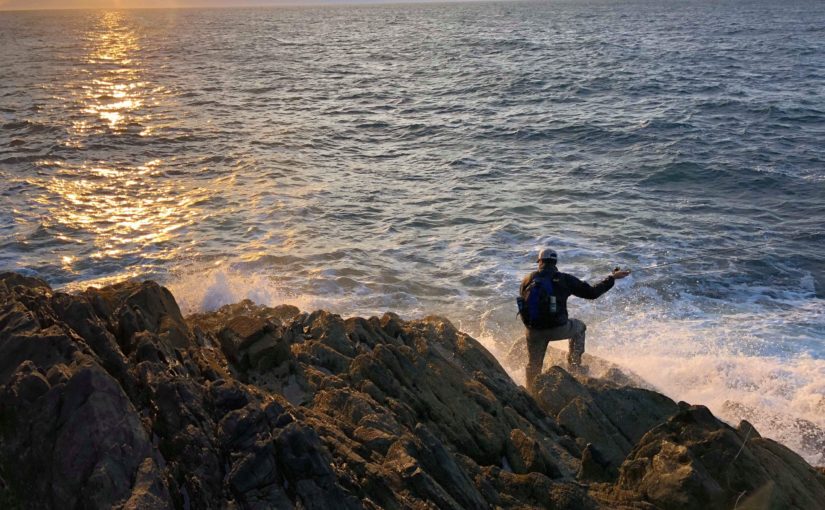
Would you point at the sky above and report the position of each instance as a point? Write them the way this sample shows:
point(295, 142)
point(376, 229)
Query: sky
point(126, 4)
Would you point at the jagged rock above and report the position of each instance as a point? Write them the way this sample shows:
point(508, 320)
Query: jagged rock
point(589, 422)
point(84, 430)
point(215, 321)
point(330, 330)
point(142, 307)
point(110, 399)
point(633, 411)
point(308, 467)
point(254, 469)
point(79, 315)
point(227, 396)
point(268, 352)
point(253, 342)
point(610, 417)
point(696, 461)
point(594, 467)
point(149, 491)
point(555, 389)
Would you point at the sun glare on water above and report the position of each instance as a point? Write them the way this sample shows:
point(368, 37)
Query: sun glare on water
point(117, 91)
point(116, 206)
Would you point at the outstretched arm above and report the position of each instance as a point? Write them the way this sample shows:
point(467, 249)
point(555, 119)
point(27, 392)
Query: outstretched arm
point(586, 291)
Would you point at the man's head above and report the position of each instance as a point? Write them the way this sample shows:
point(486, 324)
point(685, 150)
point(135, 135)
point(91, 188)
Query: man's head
point(547, 257)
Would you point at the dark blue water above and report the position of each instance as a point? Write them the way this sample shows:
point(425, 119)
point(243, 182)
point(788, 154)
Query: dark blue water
point(414, 158)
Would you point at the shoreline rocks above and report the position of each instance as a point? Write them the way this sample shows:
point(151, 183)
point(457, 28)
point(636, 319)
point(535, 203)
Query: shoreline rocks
point(110, 398)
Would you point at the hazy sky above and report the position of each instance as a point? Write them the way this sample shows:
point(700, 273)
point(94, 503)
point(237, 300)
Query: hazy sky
point(92, 4)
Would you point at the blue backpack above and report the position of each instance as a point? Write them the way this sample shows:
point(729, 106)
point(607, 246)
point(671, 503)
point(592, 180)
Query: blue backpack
point(537, 305)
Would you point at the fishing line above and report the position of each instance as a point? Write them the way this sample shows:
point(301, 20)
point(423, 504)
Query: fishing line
point(688, 259)
point(725, 250)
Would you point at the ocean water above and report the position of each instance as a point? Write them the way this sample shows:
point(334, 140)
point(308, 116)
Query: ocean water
point(414, 157)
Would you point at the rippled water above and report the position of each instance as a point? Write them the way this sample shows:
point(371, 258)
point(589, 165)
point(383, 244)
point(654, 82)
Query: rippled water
point(413, 158)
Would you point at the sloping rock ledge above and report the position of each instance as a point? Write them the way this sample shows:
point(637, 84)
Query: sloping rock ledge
point(110, 398)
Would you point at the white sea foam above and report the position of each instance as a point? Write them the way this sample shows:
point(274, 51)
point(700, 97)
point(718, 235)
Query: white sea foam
point(207, 289)
point(707, 361)
point(212, 288)
point(772, 393)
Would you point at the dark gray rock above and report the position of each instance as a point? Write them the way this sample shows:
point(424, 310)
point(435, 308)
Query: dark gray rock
point(612, 418)
point(307, 467)
point(696, 461)
point(110, 399)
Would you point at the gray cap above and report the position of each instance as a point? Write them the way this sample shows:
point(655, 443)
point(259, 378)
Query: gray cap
point(547, 254)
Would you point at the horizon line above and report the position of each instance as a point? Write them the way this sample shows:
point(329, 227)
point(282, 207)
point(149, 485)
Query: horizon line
point(260, 5)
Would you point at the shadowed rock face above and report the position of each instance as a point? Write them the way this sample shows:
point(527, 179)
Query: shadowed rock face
point(610, 417)
point(111, 399)
point(694, 461)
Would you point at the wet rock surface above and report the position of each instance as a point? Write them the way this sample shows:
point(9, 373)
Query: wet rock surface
point(112, 399)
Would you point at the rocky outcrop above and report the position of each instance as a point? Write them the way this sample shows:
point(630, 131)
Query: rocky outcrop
point(695, 461)
point(111, 399)
point(612, 418)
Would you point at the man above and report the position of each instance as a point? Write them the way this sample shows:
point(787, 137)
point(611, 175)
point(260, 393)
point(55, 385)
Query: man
point(543, 308)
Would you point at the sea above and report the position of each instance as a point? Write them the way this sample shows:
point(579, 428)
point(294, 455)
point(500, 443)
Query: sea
point(414, 158)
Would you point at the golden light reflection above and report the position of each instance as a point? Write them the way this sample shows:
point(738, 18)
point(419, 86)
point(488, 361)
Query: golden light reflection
point(108, 206)
point(116, 90)
point(127, 210)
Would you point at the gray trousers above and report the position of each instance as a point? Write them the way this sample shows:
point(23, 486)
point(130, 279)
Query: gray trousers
point(537, 340)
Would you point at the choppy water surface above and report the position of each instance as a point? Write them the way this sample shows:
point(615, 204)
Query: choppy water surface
point(412, 158)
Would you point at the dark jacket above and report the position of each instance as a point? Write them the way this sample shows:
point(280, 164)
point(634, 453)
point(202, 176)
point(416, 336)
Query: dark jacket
point(565, 285)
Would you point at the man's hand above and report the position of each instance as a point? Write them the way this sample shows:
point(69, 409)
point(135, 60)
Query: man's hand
point(618, 273)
